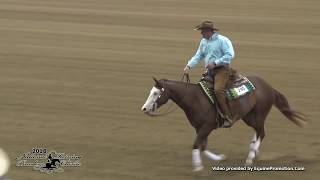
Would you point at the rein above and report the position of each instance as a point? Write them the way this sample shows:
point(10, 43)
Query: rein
point(170, 108)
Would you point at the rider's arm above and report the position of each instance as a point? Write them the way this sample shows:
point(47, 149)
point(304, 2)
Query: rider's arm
point(226, 47)
point(196, 58)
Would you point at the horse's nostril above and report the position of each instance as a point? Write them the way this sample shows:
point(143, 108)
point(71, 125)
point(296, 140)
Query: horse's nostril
point(144, 109)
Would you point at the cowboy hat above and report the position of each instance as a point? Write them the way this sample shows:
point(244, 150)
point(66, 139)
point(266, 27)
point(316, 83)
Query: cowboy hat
point(205, 25)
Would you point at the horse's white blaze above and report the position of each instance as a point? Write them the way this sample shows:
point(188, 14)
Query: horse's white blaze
point(4, 163)
point(148, 105)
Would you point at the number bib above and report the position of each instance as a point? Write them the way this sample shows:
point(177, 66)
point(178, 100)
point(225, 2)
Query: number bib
point(241, 90)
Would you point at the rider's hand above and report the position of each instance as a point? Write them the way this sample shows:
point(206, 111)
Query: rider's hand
point(186, 70)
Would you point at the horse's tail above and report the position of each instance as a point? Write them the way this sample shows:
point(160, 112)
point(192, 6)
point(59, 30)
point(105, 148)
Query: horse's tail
point(282, 104)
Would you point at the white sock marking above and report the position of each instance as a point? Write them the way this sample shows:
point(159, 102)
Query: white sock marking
point(196, 160)
point(254, 146)
point(213, 156)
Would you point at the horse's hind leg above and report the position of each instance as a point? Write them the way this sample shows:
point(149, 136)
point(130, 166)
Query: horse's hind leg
point(254, 149)
point(256, 122)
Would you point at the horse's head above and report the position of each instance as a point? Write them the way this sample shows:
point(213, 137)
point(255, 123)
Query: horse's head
point(158, 96)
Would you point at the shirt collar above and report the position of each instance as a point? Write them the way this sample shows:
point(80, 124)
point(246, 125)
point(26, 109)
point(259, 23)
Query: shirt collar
point(214, 36)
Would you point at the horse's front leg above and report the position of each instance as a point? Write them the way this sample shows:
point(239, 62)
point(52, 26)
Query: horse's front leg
point(201, 142)
point(196, 158)
point(210, 155)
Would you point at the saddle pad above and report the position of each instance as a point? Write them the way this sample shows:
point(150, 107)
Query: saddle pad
point(206, 90)
point(240, 88)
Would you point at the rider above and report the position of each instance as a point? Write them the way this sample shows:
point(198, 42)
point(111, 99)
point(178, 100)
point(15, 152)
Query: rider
point(217, 52)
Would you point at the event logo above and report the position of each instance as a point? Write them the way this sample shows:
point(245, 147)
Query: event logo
point(50, 162)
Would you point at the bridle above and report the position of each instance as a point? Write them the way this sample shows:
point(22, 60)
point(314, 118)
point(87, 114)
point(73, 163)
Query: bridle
point(170, 107)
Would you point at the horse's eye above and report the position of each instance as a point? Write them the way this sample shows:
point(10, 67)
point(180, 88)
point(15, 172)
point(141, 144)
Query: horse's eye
point(154, 93)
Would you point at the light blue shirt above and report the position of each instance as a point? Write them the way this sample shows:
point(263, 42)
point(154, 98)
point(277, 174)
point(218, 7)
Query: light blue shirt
point(218, 49)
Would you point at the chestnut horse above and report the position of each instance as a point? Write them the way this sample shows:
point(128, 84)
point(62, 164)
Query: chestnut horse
point(252, 108)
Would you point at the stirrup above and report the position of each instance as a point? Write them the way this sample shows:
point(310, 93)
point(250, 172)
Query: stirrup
point(227, 122)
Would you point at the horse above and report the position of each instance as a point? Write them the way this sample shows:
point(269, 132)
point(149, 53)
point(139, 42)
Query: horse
point(252, 108)
point(51, 163)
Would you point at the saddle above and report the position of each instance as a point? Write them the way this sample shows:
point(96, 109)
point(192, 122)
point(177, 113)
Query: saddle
point(237, 86)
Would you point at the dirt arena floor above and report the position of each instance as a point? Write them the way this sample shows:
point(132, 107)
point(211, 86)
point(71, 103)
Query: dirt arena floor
point(75, 73)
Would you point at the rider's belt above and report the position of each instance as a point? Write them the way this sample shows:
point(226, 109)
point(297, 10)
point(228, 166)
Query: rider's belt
point(221, 66)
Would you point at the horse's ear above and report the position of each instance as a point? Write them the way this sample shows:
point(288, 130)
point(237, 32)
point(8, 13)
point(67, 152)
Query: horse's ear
point(157, 82)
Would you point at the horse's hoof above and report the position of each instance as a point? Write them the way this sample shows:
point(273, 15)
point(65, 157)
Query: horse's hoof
point(249, 162)
point(197, 169)
point(222, 157)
